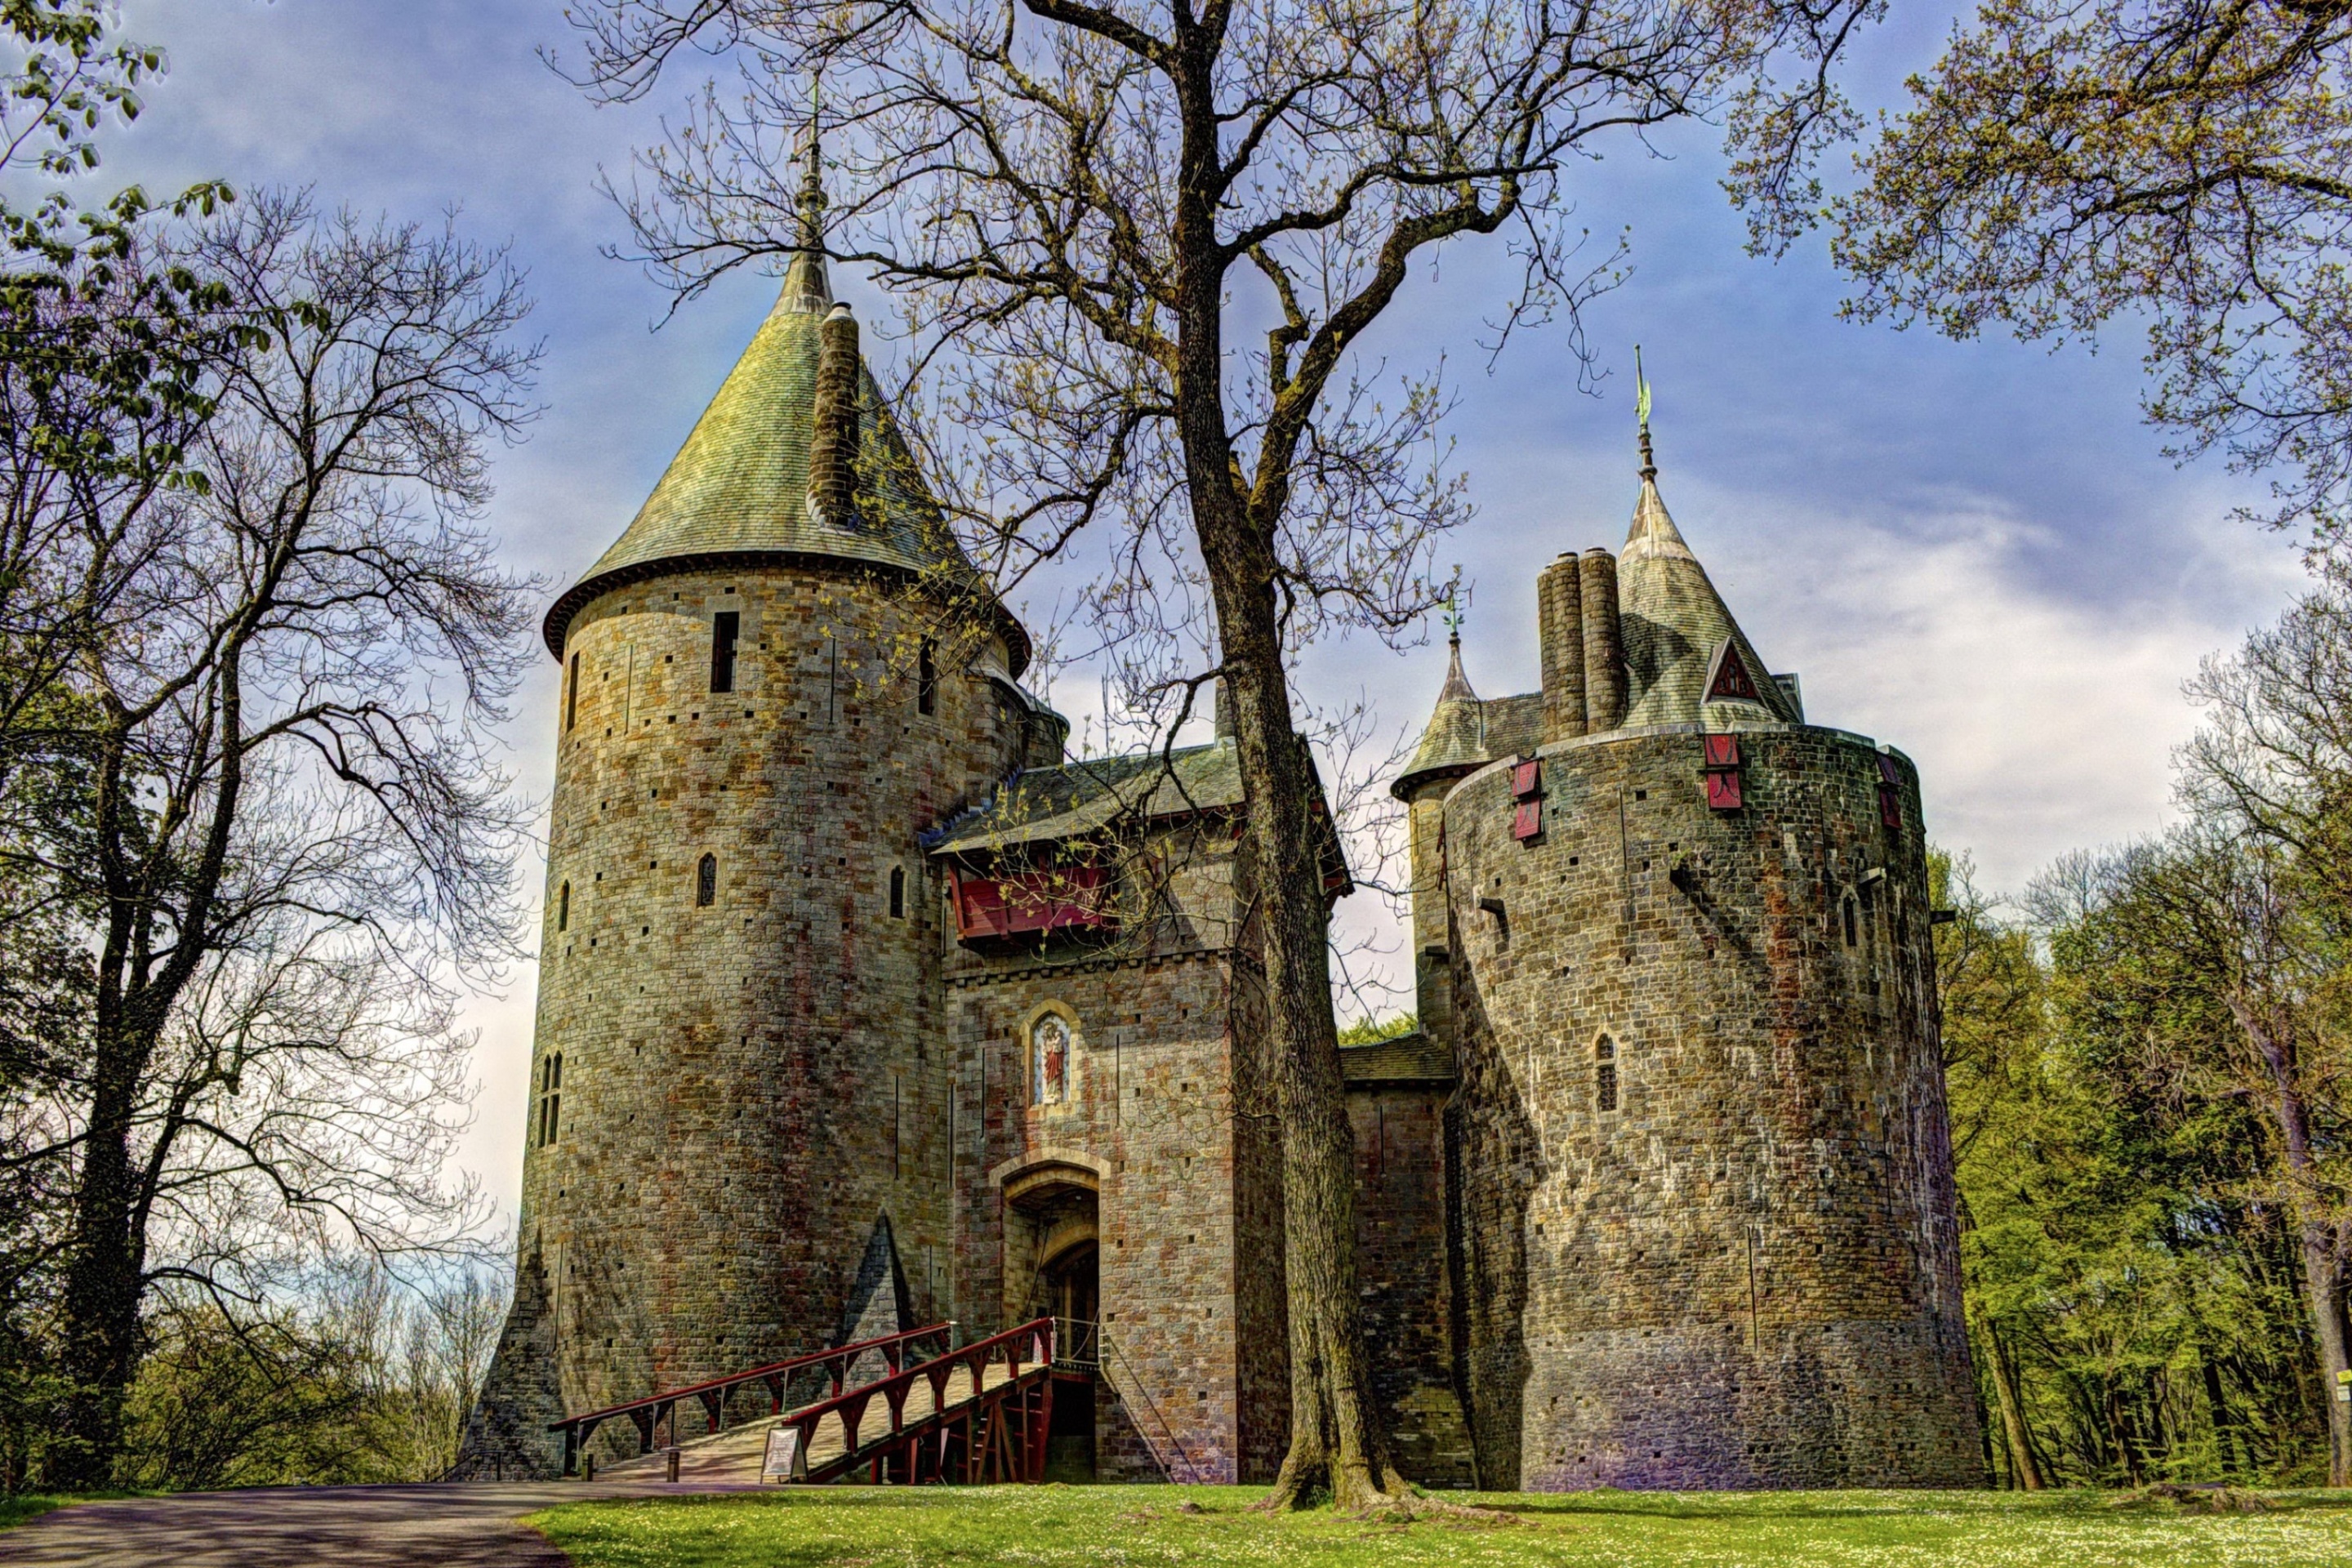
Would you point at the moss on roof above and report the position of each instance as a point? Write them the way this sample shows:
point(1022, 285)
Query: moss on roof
point(740, 484)
point(1408, 1059)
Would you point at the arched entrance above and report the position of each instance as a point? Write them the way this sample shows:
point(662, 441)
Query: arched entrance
point(1052, 1258)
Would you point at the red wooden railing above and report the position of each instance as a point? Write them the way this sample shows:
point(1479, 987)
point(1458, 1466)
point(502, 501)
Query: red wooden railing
point(998, 1434)
point(647, 1414)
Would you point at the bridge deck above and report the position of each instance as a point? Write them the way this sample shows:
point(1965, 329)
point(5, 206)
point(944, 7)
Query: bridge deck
point(735, 1454)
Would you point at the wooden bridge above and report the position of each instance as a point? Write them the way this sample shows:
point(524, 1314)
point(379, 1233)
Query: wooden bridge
point(901, 1409)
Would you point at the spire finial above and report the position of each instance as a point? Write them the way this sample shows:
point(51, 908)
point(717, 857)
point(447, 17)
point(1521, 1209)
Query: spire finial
point(1454, 609)
point(1641, 413)
point(812, 204)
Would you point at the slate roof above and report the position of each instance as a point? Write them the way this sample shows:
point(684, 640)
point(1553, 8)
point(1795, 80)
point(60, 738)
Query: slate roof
point(1673, 621)
point(1454, 741)
point(738, 485)
point(1042, 806)
point(1408, 1059)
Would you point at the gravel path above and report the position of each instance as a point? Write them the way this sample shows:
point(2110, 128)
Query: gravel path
point(467, 1524)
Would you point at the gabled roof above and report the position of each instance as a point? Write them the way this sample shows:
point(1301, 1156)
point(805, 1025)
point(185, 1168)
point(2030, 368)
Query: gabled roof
point(1083, 798)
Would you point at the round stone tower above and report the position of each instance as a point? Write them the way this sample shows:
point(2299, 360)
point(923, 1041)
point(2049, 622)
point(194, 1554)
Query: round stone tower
point(781, 675)
point(1704, 1204)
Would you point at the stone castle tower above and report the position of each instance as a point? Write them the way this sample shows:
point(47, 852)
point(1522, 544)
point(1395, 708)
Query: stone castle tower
point(1704, 1227)
point(781, 672)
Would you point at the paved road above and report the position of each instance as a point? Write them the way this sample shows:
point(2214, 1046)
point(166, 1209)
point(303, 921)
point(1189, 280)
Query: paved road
point(459, 1525)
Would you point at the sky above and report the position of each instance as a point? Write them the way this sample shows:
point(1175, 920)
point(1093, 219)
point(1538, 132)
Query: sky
point(1973, 550)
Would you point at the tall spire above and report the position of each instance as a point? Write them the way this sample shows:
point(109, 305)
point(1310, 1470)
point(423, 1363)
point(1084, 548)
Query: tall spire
point(806, 288)
point(1676, 626)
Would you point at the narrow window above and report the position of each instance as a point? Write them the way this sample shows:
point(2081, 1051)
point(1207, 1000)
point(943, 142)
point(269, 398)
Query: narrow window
point(563, 908)
point(927, 678)
point(1850, 934)
point(551, 1098)
point(724, 627)
point(572, 696)
point(1605, 1074)
point(898, 892)
point(706, 882)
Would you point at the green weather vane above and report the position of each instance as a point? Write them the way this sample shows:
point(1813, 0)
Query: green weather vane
point(1642, 414)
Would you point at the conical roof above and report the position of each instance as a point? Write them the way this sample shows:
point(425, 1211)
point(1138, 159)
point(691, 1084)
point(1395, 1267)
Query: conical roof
point(1454, 741)
point(739, 488)
point(1675, 624)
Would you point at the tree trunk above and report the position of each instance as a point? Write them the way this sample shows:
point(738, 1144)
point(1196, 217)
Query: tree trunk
point(2323, 1280)
point(1337, 1445)
point(2024, 1464)
point(102, 1281)
point(2323, 1274)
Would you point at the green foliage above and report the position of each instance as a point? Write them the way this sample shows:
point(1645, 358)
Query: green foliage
point(350, 1380)
point(2127, 1263)
point(1144, 1527)
point(1370, 1031)
point(2170, 163)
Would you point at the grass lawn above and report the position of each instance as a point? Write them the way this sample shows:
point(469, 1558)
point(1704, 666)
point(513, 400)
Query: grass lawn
point(32, 1505)
point(1148, 1526)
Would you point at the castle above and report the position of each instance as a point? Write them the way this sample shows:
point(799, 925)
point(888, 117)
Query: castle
point(861, 1005)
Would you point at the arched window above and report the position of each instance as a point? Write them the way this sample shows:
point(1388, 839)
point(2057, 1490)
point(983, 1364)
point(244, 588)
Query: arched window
point(927, 678)
point(563, 908)
point(1049, 1059)
point(898, 892)
point(1604, 1073)
point(706, 882)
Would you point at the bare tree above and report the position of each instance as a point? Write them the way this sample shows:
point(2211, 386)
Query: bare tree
point(296, 831)
point(1077, 205)
point(2176, 161)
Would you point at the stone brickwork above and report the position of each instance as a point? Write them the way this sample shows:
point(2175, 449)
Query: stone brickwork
point(796, 995)
point(746, 1084)
point(1745, 1271)
point(1401, 1163)
point(1147, 1157)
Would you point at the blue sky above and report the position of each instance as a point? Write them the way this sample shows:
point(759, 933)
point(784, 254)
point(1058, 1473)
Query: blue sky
point(1974, 550)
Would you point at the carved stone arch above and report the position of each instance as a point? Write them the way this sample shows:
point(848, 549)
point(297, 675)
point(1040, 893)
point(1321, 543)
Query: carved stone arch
point(1029, 1180)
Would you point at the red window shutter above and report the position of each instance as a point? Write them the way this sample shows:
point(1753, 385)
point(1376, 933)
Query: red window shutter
point(1890, 805)
point(1723, 790)
point(1722, 751)
point(1526, 780)
point(1888, 774)
point(1527, 821)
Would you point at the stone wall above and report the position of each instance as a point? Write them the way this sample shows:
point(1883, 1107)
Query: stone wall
point(1744, 1272)
point(746, 1084)
point(1400, 1162)
point(1181, 1188)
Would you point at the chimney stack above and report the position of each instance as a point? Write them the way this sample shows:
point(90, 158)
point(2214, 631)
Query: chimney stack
point(1559, 617)
point(1604, 644)
point(832, 434)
